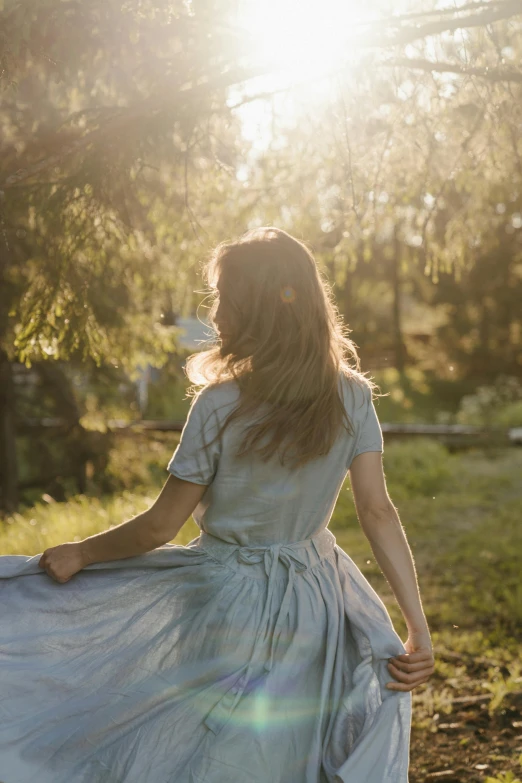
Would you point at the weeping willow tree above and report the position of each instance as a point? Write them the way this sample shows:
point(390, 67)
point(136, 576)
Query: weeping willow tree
point(115, 133)
point(407, 179)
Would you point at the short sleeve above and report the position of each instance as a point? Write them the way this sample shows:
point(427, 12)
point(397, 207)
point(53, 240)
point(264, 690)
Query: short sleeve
point(370, 433)
point(197, 455)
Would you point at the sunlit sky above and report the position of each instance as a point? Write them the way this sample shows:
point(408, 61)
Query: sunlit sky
point(299, 42)
point(303, 43)
point(302, 37)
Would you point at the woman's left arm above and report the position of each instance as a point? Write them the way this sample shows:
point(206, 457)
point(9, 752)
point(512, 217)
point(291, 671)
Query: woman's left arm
point(154, 527)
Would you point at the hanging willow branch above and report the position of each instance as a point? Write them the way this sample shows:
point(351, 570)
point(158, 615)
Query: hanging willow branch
point(489, 74)
point(185, 100)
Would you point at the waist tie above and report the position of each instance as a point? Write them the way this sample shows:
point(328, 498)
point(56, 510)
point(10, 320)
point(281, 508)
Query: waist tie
point(296, 559)
point(270, 557)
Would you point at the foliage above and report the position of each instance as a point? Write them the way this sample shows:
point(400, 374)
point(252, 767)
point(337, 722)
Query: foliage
point(412, 193)
point(123, 161)
point(124, 158)
point(420, 467)
point(136, 462)
point(167, 397)
point(49, 523)
point(95, 169)
point(497, 404)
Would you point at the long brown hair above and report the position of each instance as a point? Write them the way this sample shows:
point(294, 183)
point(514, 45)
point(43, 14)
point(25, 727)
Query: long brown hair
point(286, 346)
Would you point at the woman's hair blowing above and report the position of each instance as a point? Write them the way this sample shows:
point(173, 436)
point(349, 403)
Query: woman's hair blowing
point(286, 346)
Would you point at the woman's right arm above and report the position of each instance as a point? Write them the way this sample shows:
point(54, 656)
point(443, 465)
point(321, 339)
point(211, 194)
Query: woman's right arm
point(381, 524)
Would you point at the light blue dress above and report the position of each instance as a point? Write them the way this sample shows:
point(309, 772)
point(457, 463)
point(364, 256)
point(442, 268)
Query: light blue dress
point(255, 654)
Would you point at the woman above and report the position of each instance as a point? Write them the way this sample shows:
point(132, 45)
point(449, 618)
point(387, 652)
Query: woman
point(258, 652)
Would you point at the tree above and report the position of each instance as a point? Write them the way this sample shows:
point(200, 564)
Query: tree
point(102, 144)
point(120, 144)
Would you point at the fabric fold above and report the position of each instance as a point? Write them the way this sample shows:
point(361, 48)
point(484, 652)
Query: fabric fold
point(209, 663)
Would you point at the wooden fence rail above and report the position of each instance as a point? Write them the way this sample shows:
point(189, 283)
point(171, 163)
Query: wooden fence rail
point(92, 445)
point(452, 434)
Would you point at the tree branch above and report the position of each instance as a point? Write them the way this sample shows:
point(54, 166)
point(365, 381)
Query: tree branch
point(450, 11)
point(126, 117)
point(483, 14)
point(408, 34)
point(490, 74)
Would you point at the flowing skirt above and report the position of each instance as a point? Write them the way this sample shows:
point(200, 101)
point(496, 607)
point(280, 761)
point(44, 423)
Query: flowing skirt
point(209, 663)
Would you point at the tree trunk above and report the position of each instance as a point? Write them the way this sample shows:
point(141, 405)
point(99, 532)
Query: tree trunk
point(400, 357)
point(346, 295)
point(57, 382)
point(9, 497)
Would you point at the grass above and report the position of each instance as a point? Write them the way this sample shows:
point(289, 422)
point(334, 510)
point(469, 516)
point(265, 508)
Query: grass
point(461, 514)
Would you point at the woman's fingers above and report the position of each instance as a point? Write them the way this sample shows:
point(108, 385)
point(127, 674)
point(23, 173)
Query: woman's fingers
point(62, 562)
point(420, 655)
point(399, 686)
point(412, 667)
point(410, 676)
point(410, 670)
point(44, 563)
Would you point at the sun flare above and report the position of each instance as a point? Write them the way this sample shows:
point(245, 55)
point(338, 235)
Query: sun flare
point(302, 38)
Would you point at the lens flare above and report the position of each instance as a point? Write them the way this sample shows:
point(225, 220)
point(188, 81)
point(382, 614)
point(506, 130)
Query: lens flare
point(288, 294)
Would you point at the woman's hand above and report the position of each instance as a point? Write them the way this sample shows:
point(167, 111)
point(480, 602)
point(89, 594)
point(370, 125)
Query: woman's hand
point(414, 668)
point(63, 561)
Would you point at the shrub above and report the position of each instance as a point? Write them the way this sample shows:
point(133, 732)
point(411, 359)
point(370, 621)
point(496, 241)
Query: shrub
point(417, 467)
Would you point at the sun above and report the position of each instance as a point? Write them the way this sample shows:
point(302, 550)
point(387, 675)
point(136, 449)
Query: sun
point(302, 38)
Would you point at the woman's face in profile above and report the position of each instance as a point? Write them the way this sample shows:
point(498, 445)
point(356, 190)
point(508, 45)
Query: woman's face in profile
point(220, 318)
point(225, 326)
